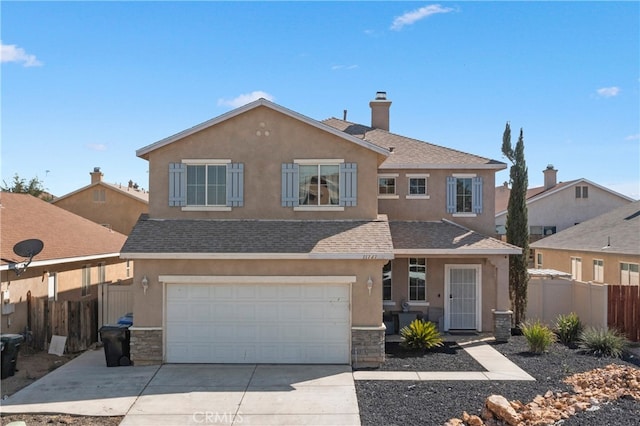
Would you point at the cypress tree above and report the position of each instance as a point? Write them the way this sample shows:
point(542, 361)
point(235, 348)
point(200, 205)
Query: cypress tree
point(517, 226)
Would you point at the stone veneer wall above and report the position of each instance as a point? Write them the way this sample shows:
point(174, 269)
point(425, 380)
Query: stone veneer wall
point(146, 345)
point(502, 325)
point(367, 346)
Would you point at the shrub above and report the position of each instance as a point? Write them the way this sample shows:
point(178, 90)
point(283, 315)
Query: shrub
point(602, 342)
point(538, 335)
point(568, 328)
point(421, 334)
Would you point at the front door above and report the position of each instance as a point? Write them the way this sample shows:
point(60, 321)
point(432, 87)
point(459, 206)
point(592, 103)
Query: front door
point(463, 292)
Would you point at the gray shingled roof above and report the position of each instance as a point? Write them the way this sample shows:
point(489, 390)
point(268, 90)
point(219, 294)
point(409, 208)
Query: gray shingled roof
point(619, 227)
point(413, 153)
point(444, 237)
point(226, 237)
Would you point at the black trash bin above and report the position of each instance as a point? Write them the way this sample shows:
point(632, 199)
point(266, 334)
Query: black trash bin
point(10, 347)
point(116, 340)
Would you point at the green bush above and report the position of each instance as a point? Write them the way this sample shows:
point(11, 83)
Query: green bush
point(568, 328)
point(421, 334)
point(538, 335)
point(603, 342)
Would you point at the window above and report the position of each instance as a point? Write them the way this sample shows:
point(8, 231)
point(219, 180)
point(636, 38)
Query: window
point(386, 185)
point(576, 268)
point(386, 281)
point(582, 192)
point(99, 195)
point(464, 195)
point(102, 272)
point(538, 260)
point(86, 280)
point(128, 268)
point(542, 230)
point(417, 186)
point(417, 279)
point(216, 185)
point(629, 274)
point(598, 270)
point(319, 185)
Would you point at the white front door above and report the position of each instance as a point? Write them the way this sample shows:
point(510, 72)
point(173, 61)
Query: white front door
point(258, 323)
point(462, 288)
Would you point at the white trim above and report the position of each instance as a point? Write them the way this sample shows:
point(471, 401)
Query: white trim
point(440, 166)
point(417, 303)
point(463, 175)
point(263, 256)
point(66, 260)
point(447, 268)
point(388, 197)
point(418, 197)
point(388, 175)
point(318, 209)
point(369, 328)
point(206, 209)
point(456, 252)
point(417, 175)
point(257, 279)
point(464, 214)
point(389, 303)
point(204, 161)
point(318, 161)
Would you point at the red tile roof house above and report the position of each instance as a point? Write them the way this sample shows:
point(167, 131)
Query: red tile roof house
point(77, 256)
point(275, 238)
point(115, 206)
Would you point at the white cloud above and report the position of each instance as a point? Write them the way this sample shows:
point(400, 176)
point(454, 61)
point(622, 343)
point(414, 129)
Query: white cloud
point(13, 53)
point(414, 16)
point(344, 67)
point(633, 137)
point(97, 146)
point(245, 98)
point(608, 92)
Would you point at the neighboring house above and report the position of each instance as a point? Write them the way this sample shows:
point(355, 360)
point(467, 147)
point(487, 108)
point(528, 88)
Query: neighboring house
point(77, 256)
point(605, 249)
point(558, 206)
point(113, 206)
point(275, 238)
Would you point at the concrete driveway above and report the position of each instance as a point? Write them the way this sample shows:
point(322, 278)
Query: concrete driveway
point(194, 394)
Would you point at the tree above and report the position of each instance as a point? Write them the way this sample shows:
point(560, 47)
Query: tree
point(517, 225)
point(21, 186)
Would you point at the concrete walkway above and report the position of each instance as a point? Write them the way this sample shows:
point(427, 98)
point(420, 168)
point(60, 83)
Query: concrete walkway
point(497, 365)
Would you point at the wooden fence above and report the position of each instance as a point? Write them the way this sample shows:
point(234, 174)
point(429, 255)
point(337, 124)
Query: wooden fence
point(624, 310)
point(77, 320)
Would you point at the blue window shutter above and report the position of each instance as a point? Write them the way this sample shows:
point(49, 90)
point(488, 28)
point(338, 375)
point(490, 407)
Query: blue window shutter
point(476, 195)
point(451, 194)
point(348, 184)
point(290, 185)
point(177, 184)
point(235, 185)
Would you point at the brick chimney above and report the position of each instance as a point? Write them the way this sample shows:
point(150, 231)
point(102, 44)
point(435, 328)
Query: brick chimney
point(550, 177)
point(96, 175)
point(380, 111)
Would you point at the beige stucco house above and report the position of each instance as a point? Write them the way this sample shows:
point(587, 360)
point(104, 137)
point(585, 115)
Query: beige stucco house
point(556, 206)
point(114, 206)
point(275, 238)
point(77, 255)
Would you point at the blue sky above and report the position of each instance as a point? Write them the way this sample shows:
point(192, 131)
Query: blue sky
point(85, 84)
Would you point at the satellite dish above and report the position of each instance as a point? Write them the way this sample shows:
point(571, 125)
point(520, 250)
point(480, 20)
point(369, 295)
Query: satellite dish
point(28, 249)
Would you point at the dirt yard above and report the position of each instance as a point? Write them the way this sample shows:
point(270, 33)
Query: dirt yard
point(31, 366)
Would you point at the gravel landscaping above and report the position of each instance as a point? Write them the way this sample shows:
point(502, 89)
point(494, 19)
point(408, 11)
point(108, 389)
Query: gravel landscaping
point(434, 402)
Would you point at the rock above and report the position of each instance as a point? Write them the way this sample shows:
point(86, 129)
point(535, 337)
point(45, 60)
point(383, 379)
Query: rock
point(454, 422)
point(465, 417)
point(502, 410)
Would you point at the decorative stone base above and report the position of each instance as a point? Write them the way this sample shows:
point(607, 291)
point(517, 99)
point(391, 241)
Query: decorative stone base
point(146, 345)
point(367, 346)
point(502, 325)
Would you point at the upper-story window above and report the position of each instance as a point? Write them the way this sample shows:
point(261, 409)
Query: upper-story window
point(203, 184)
point(319, 184)
point(582, 192)
point(629, 274)
point(99, 195)
point(387, 186)
point(464, 194)
point(417, 186)
point(598, 270)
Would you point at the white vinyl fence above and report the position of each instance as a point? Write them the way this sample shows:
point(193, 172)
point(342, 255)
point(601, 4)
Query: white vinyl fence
point(114, 300)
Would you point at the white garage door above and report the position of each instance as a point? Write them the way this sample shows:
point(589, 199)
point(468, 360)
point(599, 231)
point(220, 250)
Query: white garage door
point(258, 323)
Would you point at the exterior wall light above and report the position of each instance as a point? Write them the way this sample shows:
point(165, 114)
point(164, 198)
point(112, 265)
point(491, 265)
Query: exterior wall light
point(369, 284)
point(145, 284)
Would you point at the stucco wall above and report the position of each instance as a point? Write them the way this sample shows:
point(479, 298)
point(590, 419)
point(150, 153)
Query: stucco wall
point(435, 208)
point(237, 140)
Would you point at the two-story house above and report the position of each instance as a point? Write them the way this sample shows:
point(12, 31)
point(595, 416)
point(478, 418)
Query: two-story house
point(275, 238)
point(113, 206)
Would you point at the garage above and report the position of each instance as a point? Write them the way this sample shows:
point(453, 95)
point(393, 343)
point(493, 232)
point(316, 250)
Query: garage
point(297, 320)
